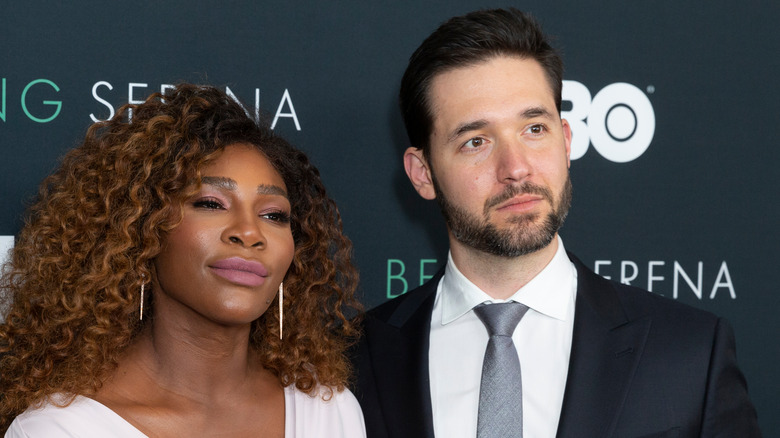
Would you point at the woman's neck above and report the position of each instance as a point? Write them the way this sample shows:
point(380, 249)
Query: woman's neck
point(188, 377)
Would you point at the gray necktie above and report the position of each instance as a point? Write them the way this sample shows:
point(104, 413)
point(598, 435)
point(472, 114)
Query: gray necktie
point(501, 389)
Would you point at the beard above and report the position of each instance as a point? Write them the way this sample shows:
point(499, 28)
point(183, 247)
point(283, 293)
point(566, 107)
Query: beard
point(522, 236)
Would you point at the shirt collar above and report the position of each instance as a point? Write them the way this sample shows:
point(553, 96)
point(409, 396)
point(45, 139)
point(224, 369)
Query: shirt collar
point(549, 293)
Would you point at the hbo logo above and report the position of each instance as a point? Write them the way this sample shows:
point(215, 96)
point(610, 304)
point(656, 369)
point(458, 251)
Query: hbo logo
point(619, 121)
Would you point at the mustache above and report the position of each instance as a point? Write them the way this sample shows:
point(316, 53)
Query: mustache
point(526, 188)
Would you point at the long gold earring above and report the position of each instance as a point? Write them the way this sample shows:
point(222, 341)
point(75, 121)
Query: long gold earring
point(281, 314)
point(141, 315)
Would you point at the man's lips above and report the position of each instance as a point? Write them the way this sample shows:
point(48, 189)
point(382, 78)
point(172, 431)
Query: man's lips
point(519, 203)
point(518, 198)
point(240, 271)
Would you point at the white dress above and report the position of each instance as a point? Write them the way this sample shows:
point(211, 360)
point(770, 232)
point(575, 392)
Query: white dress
point(304, 417)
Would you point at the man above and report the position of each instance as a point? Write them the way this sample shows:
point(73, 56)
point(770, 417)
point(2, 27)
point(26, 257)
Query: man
point(481, 100)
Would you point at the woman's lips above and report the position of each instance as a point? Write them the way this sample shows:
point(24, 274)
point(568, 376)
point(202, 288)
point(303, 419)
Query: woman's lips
point(240, 271)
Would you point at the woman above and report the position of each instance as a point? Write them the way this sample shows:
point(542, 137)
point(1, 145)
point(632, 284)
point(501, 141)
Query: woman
point(183, 273)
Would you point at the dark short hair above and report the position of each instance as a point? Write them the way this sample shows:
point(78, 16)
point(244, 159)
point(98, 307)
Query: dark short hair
point(464, 41)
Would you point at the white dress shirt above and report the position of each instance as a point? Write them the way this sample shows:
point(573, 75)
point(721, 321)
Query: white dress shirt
point(458, 341)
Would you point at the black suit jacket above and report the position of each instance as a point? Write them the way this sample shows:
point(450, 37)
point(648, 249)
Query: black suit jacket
point(641, 366)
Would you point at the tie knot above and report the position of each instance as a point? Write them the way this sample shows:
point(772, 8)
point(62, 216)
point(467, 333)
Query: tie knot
point(502, 318)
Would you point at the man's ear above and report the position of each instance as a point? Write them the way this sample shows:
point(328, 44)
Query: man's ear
point(567, 139)
point(419, 172)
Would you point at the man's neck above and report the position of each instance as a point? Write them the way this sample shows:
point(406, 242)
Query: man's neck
point(500, 277)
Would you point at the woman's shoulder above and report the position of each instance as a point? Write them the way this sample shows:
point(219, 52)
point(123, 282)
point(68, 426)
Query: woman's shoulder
point(327, 410)
point(84, 417)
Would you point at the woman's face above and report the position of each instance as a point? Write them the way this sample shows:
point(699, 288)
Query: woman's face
point(225, 261)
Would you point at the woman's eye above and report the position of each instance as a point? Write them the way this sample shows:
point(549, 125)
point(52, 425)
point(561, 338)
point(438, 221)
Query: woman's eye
point(474, 142)
point(278, 216)
point(208, 204)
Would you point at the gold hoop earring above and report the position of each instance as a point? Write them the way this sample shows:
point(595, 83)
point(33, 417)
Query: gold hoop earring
point(281, 313)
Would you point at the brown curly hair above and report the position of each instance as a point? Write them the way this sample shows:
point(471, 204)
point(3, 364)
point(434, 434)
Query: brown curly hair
point(71, 286)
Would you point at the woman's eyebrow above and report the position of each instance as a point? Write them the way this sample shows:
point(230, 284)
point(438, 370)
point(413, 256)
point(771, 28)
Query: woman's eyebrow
point(230, 184)
point(270, 189)
point(219, 181)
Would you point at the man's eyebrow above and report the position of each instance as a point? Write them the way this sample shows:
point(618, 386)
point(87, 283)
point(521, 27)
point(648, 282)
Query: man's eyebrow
point(528, 113)
point(466, 127)
point(230, 184)
point(535, 111)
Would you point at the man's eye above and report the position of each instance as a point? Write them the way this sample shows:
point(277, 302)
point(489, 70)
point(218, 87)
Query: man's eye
point(537, 129)
point(474, 142)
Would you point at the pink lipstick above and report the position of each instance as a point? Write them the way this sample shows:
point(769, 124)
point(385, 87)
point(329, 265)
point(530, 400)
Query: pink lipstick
point(240, 271)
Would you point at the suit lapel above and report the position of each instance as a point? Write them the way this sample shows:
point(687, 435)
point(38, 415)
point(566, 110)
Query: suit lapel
point(401, 364)
point(606, 348)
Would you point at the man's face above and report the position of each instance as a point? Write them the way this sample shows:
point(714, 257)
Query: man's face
point(499, 157)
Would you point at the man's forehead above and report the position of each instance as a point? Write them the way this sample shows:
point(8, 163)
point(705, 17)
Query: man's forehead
point(503, 59)
point(485, 82)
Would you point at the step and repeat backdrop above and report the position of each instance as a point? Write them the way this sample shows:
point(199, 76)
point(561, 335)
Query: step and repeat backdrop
point(674, 108)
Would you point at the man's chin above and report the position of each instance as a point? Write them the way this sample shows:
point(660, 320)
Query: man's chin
point(517, 222)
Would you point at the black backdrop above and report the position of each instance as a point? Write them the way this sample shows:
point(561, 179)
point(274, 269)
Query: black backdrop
point(675, 190)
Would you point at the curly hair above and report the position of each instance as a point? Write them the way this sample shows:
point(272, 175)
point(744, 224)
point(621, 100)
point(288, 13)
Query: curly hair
point(71, 286)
